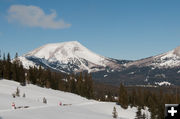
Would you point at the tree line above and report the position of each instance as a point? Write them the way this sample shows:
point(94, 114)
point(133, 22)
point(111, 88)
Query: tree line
point(80, 83)
point(151, 98)
point(155, 101)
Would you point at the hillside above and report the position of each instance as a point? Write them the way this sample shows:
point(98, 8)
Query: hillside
point(79, 108)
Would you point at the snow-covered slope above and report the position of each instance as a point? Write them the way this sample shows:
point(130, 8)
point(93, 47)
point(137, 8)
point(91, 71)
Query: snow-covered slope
point(169, 59)
point(80, 107)
point(67, 56)
point(166, 60)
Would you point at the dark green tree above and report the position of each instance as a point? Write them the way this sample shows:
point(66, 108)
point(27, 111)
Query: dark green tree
point(114, 113)
point(123, 97)
point(7, 69)
point(22, 75)
point(80, 84)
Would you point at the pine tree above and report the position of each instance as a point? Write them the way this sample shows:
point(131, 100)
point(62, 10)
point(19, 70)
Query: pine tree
point(16, 56)
point(54, 81)
point(114, 113)
point(72, 85)
point(22, 75)
point(44, 100)
point(15, 75)
point(15, 69)
point(80, 84)
point(39, 77)
point(9, 67)
point(4, 57)
point(109, 96)
point(152, 107)
point(48, 78)
point(123, 97)
point(134, 98)
point(32, 75)
point(7, 70)
point(140, 98)
point(17, 92)
point(161, 104)
point(88, 86)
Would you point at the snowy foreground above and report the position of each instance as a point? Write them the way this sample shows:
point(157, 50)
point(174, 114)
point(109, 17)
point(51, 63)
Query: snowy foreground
point(77, 108)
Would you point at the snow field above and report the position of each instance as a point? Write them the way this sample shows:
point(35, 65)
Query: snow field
point(77, 108)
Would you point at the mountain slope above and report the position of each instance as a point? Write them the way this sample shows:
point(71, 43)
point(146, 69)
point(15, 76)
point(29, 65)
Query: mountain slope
point(166, 60)
point(80, 107)
point(68, 57)
point(153, 70)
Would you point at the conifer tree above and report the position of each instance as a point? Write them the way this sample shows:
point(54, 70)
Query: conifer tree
point(152, 107)
point(134, 98)
point(109, 96)
point(72, 85)
point(9, 66)
point(32, 75)
point(4, 57)
point(44, 100)
point(22, 75)
point(140, 98)
point(123, 97)
point(114, 113)
point(15, 69)
point(17, 92)
point(88, 86)
point(48, 78)
point(40, 78)
point(7, 70)
point(80, 84)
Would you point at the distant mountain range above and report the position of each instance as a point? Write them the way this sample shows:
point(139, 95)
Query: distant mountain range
point(72, 57)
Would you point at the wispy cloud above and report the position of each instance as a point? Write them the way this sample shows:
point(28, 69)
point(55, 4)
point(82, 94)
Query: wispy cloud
point(34, 16)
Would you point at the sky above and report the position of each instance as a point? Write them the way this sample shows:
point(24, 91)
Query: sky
point(121, 29)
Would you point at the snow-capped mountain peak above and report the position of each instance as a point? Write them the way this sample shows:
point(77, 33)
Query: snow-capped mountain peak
point(71, 56)
point(50, 50)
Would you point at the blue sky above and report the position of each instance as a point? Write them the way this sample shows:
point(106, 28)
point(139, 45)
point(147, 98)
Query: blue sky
point(122, 29)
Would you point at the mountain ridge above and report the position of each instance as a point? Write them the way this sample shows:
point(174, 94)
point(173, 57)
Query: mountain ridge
point(72, 57)
point(164, 60)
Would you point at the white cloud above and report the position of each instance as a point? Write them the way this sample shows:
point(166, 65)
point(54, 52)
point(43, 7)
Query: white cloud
point(34, 16)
